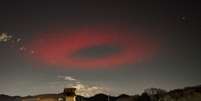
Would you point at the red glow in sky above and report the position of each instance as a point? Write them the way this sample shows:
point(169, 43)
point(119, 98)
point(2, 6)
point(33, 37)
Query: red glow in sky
point(57, 48)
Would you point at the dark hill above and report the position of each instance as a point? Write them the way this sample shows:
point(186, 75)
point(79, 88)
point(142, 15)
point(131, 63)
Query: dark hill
point(9, 98)
point(101, 97)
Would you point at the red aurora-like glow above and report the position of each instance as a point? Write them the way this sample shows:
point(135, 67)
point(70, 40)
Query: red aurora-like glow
point(57, 48)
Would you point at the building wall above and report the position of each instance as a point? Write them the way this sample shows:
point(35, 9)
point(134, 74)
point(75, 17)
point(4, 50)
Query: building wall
point(70, 98)
point(30, 99)
point(48, 99)
point(40, 99)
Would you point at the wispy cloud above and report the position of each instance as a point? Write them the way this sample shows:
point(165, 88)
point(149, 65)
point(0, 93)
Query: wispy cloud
point(83, 89)
point(5, 37)
point(68, 78)
point(15, 41)
point(89, 90)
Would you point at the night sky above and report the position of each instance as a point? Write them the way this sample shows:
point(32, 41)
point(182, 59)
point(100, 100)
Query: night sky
point(104, 46)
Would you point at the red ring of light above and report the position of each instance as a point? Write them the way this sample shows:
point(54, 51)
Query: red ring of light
point(58, 49)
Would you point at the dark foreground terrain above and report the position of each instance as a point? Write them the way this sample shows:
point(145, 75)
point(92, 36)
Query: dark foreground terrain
point(152, 94)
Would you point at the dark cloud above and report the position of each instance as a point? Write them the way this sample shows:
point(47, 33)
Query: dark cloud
point(99, 51)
